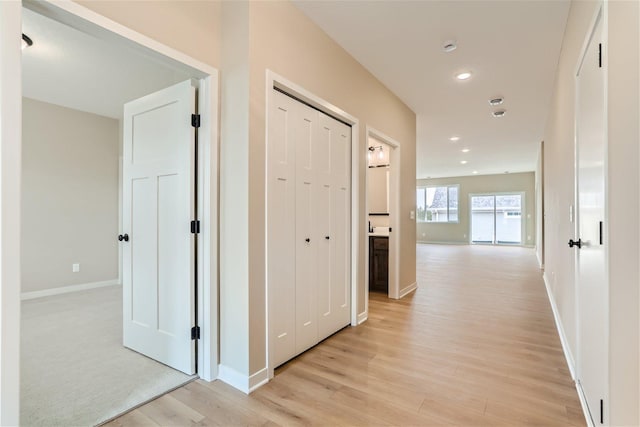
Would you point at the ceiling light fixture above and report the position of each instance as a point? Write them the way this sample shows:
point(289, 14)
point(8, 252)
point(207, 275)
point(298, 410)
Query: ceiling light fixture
point(449, 46)
point(454, 139)
point(496, 101)
point(26, 41)
point(499, 113)
point(464, 75)
point(463, 162)
point(465, 150)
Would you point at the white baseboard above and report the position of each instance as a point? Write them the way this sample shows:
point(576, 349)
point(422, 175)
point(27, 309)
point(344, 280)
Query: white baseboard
point(362, 317)
point(560, 328)
point(258, 379)
point(432, 242)
point(406, 291)
point(242, 382)
point(68, 289)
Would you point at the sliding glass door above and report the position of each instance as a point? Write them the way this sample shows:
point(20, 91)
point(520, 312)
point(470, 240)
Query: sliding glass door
point(496, 219)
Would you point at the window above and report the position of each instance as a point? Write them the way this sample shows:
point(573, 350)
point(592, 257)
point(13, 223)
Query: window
point(437, 204)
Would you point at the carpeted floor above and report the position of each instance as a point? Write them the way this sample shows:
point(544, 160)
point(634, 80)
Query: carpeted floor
point(74, 369)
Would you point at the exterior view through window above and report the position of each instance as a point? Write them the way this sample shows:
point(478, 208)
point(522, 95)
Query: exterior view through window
point(437, 204)
point(496, 219)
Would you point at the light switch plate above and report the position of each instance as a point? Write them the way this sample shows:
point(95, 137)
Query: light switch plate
point(412, 215)
point(75, 268)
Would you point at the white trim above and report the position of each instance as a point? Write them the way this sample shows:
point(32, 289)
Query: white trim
point(244, 383)
point(407, 290)
point(87, 21)
point(362, 317)
point(275, 80)
point(563, 337)
point(258, 379)
point(583, 405)
point(394, 212)
point(434, 242)
point(68, 289)
point(234, 378)
point(10, 176)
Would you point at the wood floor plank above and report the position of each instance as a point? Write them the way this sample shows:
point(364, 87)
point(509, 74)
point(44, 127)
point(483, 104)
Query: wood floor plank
point(474, 345)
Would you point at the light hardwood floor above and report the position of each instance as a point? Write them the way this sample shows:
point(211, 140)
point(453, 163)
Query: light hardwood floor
point(475, 345)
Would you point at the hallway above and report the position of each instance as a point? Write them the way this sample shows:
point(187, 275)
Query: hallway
point(475, 345)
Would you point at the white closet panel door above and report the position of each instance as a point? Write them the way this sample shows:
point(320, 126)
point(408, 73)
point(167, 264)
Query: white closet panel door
point(281, 243)
point(306, 230)
point(323, 222)
point(341, 225)
point(334, 311)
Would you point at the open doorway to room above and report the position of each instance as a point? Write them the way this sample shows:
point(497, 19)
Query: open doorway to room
point(382, 207)
point(80, 203)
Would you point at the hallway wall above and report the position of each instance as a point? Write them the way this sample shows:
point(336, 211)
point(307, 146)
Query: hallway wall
point(623, 189)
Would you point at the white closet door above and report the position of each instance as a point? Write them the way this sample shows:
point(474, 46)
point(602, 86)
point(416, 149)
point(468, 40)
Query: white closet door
point(307, 236)
point(281, 245)
point(333, 202)
point(340, 224)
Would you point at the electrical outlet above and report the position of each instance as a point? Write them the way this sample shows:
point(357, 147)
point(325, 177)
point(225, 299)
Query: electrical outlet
point(75, 268)
point(464, 236)
point(529, 238)
point(412, 215)
point(424, 234)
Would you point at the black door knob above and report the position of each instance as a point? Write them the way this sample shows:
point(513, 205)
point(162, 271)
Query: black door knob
point(307, 240)
point(577, 243)
point(124, 237)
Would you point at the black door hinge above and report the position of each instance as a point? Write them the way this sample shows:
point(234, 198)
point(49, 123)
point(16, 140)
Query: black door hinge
point(195, 333)
point(599, 55)
point(195, 227)
point(195, 120)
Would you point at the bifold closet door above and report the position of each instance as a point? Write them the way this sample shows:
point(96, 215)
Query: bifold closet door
point(281, 244)
point(307, 151)
point(333, 208)
point(308, 226)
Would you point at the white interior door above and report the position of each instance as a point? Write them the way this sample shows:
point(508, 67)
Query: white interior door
point(158, 207)
point(591, 274)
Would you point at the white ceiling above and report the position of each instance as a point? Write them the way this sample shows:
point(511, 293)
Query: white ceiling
point(511, 47)
point(76, 70)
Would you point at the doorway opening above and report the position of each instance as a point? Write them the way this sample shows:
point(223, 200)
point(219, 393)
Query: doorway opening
point(135, 67)
point(496, 219)
point(381, 206)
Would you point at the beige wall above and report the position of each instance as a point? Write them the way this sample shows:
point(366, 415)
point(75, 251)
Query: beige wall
point(622, 50)
point(285, 41)
point(69, 196)
point(459, 232)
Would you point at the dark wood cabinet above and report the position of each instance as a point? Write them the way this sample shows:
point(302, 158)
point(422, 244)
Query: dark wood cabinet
point(379, 263)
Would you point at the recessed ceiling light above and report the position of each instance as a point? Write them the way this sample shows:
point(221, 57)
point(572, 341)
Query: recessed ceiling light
point(26, 41)
point(454, 139)
point(463, 162)
point(449, 46)
point(499, 113)
point(475, 172)
point(496, 101)
point(465, 150)
point(464, 75)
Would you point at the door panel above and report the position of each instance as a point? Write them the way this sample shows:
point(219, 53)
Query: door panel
point(482, 219)
point(158, 200)
point(281, 243)
point(508, 219)
point(591, 274)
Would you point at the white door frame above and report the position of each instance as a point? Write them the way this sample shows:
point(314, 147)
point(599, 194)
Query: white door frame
point(601, 14)
point(274, 80)
point(394, 224)
point(79, 17)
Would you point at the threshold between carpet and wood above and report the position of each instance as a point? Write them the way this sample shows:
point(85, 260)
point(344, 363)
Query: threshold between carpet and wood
point(474, 345)
point(74, 369)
